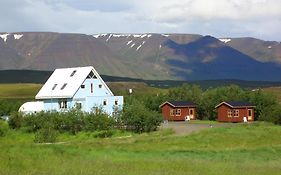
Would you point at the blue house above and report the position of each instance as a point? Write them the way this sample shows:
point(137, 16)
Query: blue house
point(78, 87)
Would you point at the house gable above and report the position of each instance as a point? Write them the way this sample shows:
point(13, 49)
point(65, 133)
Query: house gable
point(65, 82)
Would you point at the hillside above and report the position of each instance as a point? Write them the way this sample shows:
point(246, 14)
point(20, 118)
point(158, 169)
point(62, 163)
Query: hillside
point(40, 77)
point(144, 56)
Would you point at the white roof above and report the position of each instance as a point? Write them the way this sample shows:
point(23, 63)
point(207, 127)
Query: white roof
point(62, 85)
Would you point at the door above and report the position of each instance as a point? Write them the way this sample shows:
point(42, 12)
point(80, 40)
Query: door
point(250, 114)
point(191, 113)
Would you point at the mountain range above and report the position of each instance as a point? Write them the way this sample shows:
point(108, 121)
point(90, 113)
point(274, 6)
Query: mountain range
point(145, 56)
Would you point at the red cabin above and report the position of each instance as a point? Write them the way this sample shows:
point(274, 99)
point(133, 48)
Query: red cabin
point(178, 110)
point(235, 112)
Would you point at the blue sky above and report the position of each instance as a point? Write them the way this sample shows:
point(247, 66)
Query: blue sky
point(219, 18)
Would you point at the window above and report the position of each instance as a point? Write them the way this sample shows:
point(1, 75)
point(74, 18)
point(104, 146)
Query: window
point(116, 102)
point(73, 73)
point(190, 111)
point(63, 86)
point(78, 105)
point(82, 86)
point(100, 85)
point(63, 104)
point(236, 113)
point(178, 112)
point(92, 88)
point(53, 88)
point(104, 102)
point(229, 113)
point(172, 112)
point(91, 75)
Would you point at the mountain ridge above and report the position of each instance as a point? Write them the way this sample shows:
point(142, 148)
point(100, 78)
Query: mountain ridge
point(145, 56)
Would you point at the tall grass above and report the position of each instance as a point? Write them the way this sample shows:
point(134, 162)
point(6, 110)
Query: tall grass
point(244, 149)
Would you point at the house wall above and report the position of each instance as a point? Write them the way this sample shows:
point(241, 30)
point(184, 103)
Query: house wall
point(184, 112)
point(88, 99)
point(223, 114)
point(97, 91)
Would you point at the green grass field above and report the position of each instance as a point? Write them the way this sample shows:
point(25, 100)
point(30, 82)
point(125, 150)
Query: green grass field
point(21, 90)
point(243, 149)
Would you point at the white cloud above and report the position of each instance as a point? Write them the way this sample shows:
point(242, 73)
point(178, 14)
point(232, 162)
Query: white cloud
point(233, 18)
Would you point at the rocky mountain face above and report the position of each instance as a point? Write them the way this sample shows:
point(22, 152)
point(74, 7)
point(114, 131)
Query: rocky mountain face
point(145, 56)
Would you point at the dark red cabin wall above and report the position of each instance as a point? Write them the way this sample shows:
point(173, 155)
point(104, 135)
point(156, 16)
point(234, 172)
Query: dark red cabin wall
point(243, 112)
point(184, 112)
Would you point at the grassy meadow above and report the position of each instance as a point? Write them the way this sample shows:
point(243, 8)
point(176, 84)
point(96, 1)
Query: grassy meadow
point(242, 149)
point(18, 91)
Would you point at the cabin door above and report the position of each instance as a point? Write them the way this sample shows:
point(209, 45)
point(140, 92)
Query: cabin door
point(191, 113)
point(250, 114)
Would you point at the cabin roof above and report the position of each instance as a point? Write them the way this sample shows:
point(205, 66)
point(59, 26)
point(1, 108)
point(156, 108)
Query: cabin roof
point(236, 104)
point(64, 82)
point(179, 103)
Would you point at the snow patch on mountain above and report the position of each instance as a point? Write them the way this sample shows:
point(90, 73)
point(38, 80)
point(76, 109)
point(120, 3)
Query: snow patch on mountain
point(129, 42)
point(166, 35)
point(109, 37)
point(122, 35)
point(4, 36)
point(18, 36)
point(225, 40)
point(140, 46)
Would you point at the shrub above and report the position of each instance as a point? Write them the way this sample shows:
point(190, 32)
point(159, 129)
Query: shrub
point(138, 118)
point(15, 121)
point(47, 134)
point(3, 128)
point(98, 122)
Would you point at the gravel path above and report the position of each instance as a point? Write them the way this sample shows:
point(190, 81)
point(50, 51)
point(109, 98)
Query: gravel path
point(185, 128)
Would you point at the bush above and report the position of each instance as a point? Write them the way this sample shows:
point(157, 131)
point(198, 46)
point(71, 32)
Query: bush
point(3, 128)
point(98, 122)
point(138, 118)
point(46, 135)
point(16, 120)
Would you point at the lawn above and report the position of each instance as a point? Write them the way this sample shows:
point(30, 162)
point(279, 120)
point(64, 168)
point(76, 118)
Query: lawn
point(242, 149)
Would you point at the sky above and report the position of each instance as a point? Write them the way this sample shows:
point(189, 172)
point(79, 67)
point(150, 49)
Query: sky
point(219, 18)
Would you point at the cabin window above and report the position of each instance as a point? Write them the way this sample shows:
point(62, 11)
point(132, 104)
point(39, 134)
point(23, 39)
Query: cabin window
point(229, 113)
point(71, 75)
point(236, 113)
point(63, 86)
point(63, 104)
point(191, 111)
point(250, 112)
point(53, 88)
point(104, 102)
point(172, 112)
point(100, 85)
point(82, 86)
point(116, 102)
point(178, 112)
point(92, 88)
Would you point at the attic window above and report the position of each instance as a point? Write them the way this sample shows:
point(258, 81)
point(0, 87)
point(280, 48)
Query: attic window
point(82, 86)
point(100, 85)
point(73, 73)
point(53, 88)
point(63, 86)
point(91, 75)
